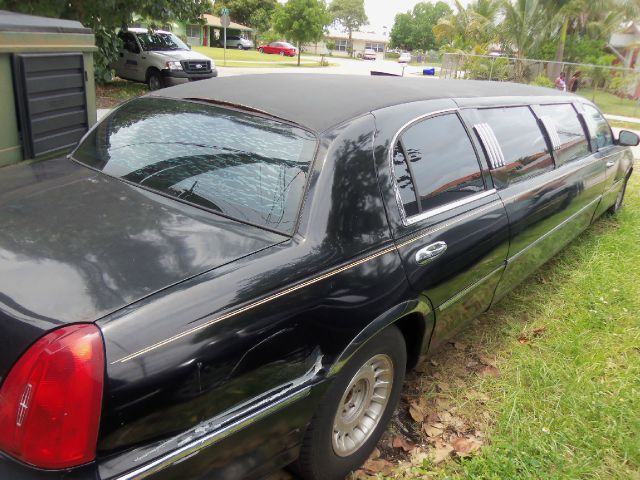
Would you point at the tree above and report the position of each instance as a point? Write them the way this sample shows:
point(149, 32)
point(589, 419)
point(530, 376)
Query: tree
point(253, 13)
point(302, 21)
point(104, 17)
point(350, 14)
point(414, 30)
point(474, 27)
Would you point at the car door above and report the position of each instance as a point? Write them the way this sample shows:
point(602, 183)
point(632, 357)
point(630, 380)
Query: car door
point(272, 47)
point(129, 64)
point(546, 206)
point(604, 148)
point(454, 231)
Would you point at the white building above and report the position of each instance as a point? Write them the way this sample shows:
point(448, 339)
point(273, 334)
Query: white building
point(360, 41)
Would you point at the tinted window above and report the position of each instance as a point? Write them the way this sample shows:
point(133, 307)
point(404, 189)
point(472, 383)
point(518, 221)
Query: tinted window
point(574, 144)
point(598, 127)
point(524, 147)
point(160, 42)
point(442, 160)
point(243, 166)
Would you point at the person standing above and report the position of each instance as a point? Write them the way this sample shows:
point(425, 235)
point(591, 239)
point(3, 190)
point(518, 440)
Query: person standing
point(561, 84)
point(574, 83)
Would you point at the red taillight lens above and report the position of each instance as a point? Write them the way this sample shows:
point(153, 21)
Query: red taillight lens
point(51, 400)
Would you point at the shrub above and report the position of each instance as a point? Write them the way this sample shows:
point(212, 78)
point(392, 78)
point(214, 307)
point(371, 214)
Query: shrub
point(543, 81)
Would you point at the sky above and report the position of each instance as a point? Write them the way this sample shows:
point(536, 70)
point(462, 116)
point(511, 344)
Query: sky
point(382, 12)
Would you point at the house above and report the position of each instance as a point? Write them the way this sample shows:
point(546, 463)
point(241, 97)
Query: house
point(625, 44)
point(360, 42)
point(210, 32)
point(205, 34)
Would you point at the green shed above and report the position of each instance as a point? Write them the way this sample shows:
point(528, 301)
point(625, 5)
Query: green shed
point(47, 99)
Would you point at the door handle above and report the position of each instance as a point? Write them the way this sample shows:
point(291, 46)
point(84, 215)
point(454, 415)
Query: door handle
point(430, 252)
point(611, 163)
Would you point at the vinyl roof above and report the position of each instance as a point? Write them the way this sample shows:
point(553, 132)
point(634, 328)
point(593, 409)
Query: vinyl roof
point(320, 101)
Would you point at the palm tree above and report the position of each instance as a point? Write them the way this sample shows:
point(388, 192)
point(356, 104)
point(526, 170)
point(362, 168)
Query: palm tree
point(523, 29)
point(474, 26)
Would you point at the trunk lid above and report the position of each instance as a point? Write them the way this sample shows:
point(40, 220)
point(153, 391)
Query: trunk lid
point(76, 245)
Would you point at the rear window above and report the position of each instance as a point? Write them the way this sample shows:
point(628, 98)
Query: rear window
point(243, 166)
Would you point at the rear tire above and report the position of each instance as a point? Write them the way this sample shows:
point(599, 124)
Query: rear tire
point(355, 410)
point(240, 47)
point(620, 198)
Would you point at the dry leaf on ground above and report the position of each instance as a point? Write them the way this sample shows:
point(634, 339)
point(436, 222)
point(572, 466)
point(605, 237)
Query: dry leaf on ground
point(432, 431)
point(489, 371)
point(377, 466)
point(401, 442)
point(464, 446)
point(441, 451)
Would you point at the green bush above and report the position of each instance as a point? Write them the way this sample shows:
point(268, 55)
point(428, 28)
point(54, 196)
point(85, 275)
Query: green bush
point(543, 81)
point(391, 55)
point(480, 68)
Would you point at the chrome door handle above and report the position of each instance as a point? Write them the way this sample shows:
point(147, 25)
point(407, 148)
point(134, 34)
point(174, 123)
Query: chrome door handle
point(611, 163)
point(430, 252)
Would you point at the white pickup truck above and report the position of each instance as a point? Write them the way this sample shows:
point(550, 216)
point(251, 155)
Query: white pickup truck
point(160, 59)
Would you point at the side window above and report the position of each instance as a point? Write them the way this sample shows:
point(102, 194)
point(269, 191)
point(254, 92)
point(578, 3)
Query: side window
point(598, 127)
point(436, 160)
point(523, 145)
point(129, 42)
point(573, 143)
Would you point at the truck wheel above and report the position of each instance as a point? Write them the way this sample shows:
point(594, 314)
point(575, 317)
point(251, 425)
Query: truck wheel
point(620, 198)
point(240, 47)
point(355, 409)
point(154, 80)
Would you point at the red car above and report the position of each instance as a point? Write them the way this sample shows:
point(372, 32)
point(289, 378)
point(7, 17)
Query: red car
point(280, 48)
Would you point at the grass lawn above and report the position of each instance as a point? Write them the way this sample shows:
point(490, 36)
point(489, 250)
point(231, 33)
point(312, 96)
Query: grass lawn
point(250, 58)
point(625, 125)
point(117, 91)
point(612, 104)
point(544, 386)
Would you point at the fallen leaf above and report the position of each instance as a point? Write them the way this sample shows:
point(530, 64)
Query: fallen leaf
point(377, 466)
point(416, 412)
point(523, 339)
point(440, 452)
point(401, 442)
point(464, 446)
point(489, 371)
point(538, 332)
point(432, 430)
point(485, 359)
point(459, 345)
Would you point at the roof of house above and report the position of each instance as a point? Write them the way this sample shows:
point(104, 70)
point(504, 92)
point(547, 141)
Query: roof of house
point(213, 21)
point(320, 101)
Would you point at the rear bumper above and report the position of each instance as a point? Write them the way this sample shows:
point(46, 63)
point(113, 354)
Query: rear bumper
point(171, 78)
point(260, 441)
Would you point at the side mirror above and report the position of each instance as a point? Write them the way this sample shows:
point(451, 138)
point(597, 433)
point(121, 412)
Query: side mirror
point(628, 139)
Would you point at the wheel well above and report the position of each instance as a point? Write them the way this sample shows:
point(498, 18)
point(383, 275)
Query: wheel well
point(412, 328)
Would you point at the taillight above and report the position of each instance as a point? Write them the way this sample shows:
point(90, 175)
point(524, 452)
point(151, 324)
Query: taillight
point(51, 400)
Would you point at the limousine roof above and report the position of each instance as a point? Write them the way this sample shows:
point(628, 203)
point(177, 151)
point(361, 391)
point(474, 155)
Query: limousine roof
point(320, 101)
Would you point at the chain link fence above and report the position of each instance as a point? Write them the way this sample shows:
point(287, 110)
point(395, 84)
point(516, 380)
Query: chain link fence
point(595, 81)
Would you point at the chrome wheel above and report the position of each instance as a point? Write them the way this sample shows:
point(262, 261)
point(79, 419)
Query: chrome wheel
point(362, 405)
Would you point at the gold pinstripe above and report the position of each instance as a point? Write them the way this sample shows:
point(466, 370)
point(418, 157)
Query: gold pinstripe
point(299, 286)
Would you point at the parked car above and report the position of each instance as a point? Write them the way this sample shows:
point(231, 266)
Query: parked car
point(160, 59)
point(405, 57)
point(219, 282)
point(279, 48)
point(369, 54)
point(234, 41)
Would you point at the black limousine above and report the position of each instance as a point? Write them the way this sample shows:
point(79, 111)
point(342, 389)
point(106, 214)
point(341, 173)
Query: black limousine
point(217, 282)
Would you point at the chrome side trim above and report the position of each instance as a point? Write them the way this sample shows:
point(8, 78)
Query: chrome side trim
point(462, 293)
point(253, 305)
point(449, 206)
point(442, 226)
point(554, 229)
point(194, 447)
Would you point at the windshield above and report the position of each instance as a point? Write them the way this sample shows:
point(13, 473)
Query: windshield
point(243, 166)
point(160, 41)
